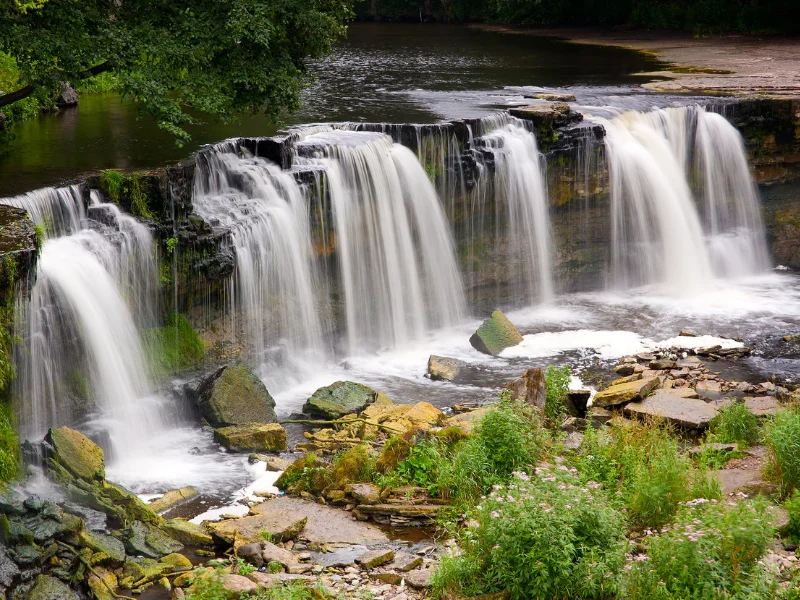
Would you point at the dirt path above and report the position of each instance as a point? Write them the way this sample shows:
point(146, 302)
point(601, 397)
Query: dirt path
point(734, 64)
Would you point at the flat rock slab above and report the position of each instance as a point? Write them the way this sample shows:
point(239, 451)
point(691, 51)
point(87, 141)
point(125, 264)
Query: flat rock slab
point(675, 408)
point(375, 558)
point(324, 524)
point(732, 479)
point(762, 406)
point(625, 392)
point(280, 525)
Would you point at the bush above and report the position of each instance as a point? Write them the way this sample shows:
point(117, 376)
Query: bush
point(9, 445)
point(710, 553)
point(539, 536)
point(557, 380)
point(735, 424)
point(354, 465)
point(792, 506)
point(783, 438)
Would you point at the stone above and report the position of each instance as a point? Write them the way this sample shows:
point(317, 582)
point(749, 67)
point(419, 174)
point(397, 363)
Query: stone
point(339, 399)
point(187, 532)
point(234, 395)
point(574, 440)
point(547, 115)
point(530, 388)
point(442, 368)
point(364, 493)
point(731, 480)
point(495, 335)
point(423, 415)
point(625, 392)
point(252, 436)
point(76, 453)
point(8, 569)
point(662, 365)
point(599, 416)
point(67, 97)
point(150, 541)
point(50, 588)
point(420, 579)
point(390, 578)
point(101, 583)
point(276, 525)
point(709, 389)
point(762, 406)
point(403, 561)
point(298, 568)
point(251, 552)
point(466, 421)
point(399, 515)
point(625, 370)
point(675, 408)
point(173, 498)
point(554, 97)
point(237, 585)
point(375, 558)
point(176, 561)
point(277, 464)
point(272, 553)
point(99, 542)
point(577, 401)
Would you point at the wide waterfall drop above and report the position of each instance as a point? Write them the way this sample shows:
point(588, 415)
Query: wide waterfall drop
point(276, 287)
point(520, 193)
point(396, 262)
point(730, 204)
point(57, 211)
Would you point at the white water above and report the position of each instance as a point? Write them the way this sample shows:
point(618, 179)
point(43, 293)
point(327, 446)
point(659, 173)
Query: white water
point(658, 234)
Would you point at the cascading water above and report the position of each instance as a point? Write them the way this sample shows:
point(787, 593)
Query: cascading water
point(268, 216)
point(396, 262)
point(658, 235)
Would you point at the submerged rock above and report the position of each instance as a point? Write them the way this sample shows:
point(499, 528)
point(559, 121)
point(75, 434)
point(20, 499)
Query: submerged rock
point(442, 368)
point(495, 335)
point(252, 436)
point(340, 399)
point(531, 388)
point(234, 395)
point(76, 453)
point(625, 392)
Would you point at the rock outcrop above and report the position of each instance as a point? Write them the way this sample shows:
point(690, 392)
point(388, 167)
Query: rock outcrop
point(234, 395)
point(340, 399)
point(530, 388)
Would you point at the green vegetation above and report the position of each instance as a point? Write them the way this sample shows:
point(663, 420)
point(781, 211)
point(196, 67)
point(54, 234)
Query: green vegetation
point(557, 380)
point(173, 347)
point(129, 189)
point(792, 529)
point(783, 438)
point(735, 424)
point(22, 109)
point(9, 445)
point(112, 182)
point(222, 59)
point(702, 16)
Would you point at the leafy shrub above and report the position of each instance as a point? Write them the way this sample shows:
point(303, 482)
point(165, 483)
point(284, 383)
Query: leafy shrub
point(422, 465)
point(557, 380)
point(307, 474)
point(9, 445)
point(783, 438)
point(539, 536)
point(792, 506)
point(735, 424)
point(711, 552)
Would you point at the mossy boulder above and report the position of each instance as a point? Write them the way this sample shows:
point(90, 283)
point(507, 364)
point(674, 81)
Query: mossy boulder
point(99, 542)
point(234, 395)
point(252, 436)
point(146, 540)
point(340, 399)
point(50, 588)
point(442, 368)
point(307, 474)
point(187, 532)
point(622, 393)
point(495, 335)
point(76, 453)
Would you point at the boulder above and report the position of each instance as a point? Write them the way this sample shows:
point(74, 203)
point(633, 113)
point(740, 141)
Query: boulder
point(625, 392)
point(340, 399)
point(662, 364)
point(187, 532)
point(101, 582)
point(441, 368)
point(272, 553)
point(8, 568)
point(252, 436)
point(76, 453)
point(495, 335)
point(50, 588)
point(67, 97)
point(173, 498)
point(363, 493)
point(233, 395)
point(280, 526)
point(99, 542)
point(675, 408)
point(762, 406)
point(530, 388)
point(151, 542)
point(547, 115)
point(599, 416)
point(375, 558)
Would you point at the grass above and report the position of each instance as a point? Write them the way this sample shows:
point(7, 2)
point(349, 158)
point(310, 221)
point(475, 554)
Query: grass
point(557, 380)
point(735, 424)
point(782, 436)
point(173, 347)
point(9, 445)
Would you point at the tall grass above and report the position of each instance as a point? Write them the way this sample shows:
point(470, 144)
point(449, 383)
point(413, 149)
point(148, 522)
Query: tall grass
point(735, 424)
point(782, 436)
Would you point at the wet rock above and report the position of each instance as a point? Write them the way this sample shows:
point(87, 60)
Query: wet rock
point(149, 541)
point(187, 533)
point(375, 558)
point(625, 392)
point(554, 97)
point(364, 493)
point(530, 388)
point(442, 368)
point(547, 115)
point(277, 464)
point(340, 399)
point(173, 498)
point(99, 542)
point(252, 436)
point(277, 525)
point(50, 588)
point(420, 579)
point(495, 335)
point(762, 406)
point(67, 97)
point(673, 406)
point(76, 453)
point(272, 553)
point(233, 395)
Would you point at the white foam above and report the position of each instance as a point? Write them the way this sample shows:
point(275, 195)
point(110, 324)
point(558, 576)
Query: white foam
point(264, 484)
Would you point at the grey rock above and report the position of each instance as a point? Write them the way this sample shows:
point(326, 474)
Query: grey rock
point(530, 388)
point(234, 395)
point(675, 408)
point(340, 399)
point(442, 368)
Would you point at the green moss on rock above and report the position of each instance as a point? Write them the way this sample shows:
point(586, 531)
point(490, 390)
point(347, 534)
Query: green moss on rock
point(340, 399)
point(234, 395)
point(495, 335)
point(76, 453)
point(252, 437)
point(172, 348)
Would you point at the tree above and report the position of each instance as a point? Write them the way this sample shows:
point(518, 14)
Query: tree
point(221, 57)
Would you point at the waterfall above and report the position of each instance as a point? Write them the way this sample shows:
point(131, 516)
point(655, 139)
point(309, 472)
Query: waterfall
point(395, 253)
point(521, 195)
point(276, 287)
point(663, 165)
point(58, 211)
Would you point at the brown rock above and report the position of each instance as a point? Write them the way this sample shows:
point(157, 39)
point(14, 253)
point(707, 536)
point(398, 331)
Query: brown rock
point(364, 493)
point(173, 498)
point(625, 392)
point(403, 561)
point(236, 585)
point(762, 406)
point(442, 368)
point(531, 388)
point(662, 365)
point(375, 558)
point(709, 389)
point(390, 578)
point(279, 525)
point(420, 579)
point(675, 408)
point(270, 552)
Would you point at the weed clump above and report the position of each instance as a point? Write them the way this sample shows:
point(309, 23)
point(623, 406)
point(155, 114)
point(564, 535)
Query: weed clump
point(173, 347)
point(783, 438)
point(9, 445)
point(735, 424)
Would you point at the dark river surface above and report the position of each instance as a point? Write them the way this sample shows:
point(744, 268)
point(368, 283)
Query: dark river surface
point(402, 73)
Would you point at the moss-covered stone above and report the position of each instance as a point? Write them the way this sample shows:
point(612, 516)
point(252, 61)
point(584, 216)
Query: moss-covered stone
point(98, 542)
point(495, 335)
point(625, 392)
point(177, 561)
point(307, 474)
point(50, 588)
point(146, 540)
point(101, 584)
point(233, 395)
point(76, 453)
point(187, 533)
point(340, 399)
point(252, 436)
point(173, 498)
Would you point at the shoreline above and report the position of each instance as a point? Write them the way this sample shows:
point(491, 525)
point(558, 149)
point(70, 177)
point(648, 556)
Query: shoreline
point(737, 65)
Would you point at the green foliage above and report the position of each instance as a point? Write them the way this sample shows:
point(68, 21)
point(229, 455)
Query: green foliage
point(792, 506)
point(172, 347)
point(735, 424)
point(40, 236)
point(242, 567)
point(307, 474)
point(557, 380)
point(710, 553)
point(537, 537)
point(783, 438)
point(422, 467)
point(296, 590)
point(9, 445)
point(104, 82)
point(357, 464)
point(218, 58)
point(208, 587)
point(274, 567)
point(171, 244)
point(112, 182)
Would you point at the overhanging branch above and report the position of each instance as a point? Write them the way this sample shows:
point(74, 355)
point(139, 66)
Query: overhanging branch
point(26, 91)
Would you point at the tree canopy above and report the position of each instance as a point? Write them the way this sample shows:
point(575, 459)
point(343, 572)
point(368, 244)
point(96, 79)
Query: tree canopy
point(221, 57)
